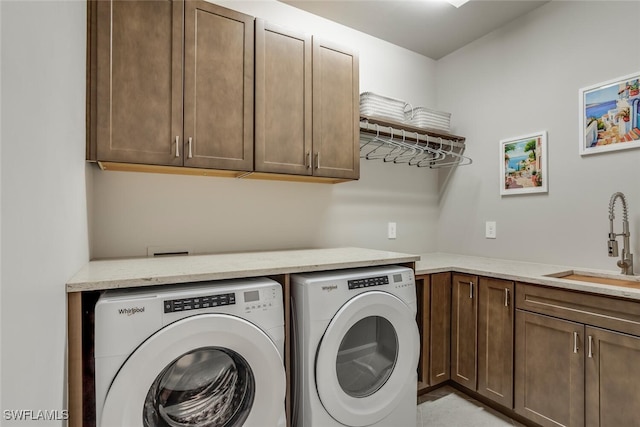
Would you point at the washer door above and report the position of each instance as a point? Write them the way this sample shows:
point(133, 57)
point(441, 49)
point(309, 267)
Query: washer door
point(366, 358)
point(204, 370)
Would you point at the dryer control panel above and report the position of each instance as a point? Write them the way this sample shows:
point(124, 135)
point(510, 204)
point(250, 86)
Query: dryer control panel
point(367, 282)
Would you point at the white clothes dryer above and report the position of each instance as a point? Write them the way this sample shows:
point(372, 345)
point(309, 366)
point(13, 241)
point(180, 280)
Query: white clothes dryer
point(200, 354)
point(356, 348)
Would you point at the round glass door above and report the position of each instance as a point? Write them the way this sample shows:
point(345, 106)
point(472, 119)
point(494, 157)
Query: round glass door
point(367, 356)
point(207, 387)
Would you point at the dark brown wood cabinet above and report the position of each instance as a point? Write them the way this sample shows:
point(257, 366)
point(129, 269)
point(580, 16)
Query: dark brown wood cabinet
point(440, 329)
point(549, 376)
point(434, 322)
point(612, 378)
point(218, 85)
point(142, 54)
point(576, 358)
point(336, 111)
point(136, 81)
point(464, 315)
point(495, 340)
point(307, 105)
point(283, 102)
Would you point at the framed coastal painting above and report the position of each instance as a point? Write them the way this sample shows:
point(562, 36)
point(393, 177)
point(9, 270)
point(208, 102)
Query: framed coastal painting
point(610, 115)
point(523, 164)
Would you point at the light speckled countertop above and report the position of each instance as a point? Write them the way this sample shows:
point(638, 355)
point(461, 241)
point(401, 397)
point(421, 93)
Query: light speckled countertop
point(528, 272)
point(136, 272)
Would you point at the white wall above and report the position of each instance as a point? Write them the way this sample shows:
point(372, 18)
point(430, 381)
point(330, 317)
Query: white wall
point(44, 212)
point(133, 211)
point(525, 78)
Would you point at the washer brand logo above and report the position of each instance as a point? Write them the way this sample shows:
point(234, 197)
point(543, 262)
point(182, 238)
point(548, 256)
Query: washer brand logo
point(131, 311)
point(330, 288)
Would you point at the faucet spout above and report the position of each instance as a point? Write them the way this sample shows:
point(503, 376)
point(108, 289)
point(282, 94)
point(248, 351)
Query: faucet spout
point(626, 259)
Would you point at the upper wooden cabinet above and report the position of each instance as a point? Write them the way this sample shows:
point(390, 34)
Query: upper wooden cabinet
point(218, 87)
point(336, 111)
point(171, 83)
point(137, 72)
point(307, 105)
point(136, 81)
point(283, 100)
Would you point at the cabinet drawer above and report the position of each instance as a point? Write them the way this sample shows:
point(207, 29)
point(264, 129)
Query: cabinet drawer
point(605, 312)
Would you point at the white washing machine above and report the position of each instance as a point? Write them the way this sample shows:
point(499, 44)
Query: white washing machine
point(356, 348)
point(201, 354)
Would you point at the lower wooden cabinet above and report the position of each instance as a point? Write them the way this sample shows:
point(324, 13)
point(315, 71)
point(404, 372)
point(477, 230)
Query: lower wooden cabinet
point(464, 318)
point(440, 329)
point(495, 340)
point(434, 316)
point(555, 357)
point(549, 377)
point(571, 371)
point(612, 378)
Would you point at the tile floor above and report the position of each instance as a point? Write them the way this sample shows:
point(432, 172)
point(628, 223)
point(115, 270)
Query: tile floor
point(447, 407)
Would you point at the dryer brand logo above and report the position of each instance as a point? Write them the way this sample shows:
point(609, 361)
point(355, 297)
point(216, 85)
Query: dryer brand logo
point(131, 311)
point(330, 288)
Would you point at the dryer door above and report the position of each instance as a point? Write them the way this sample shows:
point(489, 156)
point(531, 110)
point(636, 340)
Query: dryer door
point(204, 370)
point(367, 357)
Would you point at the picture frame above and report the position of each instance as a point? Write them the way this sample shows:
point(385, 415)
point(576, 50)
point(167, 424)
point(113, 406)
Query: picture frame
point(523, 164)
point(610, 115)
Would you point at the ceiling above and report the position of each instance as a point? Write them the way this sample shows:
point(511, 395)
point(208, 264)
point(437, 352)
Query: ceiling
point(430, 27)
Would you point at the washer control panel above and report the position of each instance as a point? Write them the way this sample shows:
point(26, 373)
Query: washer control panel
point(196, 303)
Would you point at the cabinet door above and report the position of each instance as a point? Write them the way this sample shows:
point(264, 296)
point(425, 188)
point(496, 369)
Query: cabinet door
point(138, 80)
point(464, 310)
point(440, 329)
point(283, 100)
point(423, 287)
point(612, 382)
point(218, 84)
point(336, 111)
point(549, 376)
point(495, 340)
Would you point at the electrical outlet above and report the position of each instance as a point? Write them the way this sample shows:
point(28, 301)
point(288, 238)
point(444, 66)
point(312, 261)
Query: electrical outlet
point(391, 230)
point(490, 230)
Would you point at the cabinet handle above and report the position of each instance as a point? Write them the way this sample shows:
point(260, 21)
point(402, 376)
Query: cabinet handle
point(575, 342)
point(318, 160)
point(177, 147)
point(471, 290)
point(590, 354)
point(506, 297)
point(308, 162)
point(190, 152)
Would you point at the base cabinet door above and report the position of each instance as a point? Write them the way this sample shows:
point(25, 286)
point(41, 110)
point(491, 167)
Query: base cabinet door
point(464, 311)
point(549, 375)
point(612, 379)
point(495, 340)
point(440, 329)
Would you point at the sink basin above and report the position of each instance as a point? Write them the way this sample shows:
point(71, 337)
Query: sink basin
point(601, 279)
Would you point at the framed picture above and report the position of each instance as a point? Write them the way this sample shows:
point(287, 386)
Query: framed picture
point(610, 115)
point(523, 164)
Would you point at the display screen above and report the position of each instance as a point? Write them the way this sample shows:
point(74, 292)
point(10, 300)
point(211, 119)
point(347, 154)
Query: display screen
point(251, 296)
point(397, 278)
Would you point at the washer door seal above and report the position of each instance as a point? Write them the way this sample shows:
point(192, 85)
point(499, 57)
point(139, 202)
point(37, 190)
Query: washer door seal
point(125, 401)
point(364, 409)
